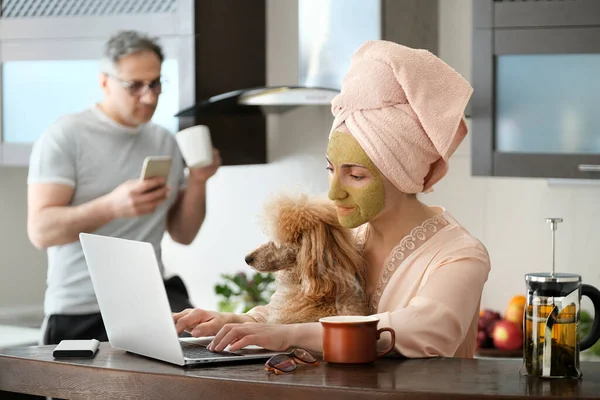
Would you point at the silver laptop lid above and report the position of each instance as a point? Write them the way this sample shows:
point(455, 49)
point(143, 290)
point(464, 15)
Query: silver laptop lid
point(132, 297)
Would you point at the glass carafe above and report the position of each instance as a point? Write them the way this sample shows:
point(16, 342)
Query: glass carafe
point(551, 342)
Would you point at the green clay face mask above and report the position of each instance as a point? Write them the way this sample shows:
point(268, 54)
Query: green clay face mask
point(355, 186)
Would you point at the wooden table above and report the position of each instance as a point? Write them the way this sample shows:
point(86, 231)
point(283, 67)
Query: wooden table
point(114, 374)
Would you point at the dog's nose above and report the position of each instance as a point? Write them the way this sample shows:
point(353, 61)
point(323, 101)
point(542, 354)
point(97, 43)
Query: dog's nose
point(249, 259)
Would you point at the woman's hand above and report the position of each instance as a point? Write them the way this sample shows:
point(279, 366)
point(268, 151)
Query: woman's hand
point(199, 322)
point(269, 336)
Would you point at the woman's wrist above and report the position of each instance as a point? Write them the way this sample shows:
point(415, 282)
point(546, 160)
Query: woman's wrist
point(308, 336)
point(241, 318)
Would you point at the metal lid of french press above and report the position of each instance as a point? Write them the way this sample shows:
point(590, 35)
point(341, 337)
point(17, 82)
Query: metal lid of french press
point(547, 277)
point(553, 277)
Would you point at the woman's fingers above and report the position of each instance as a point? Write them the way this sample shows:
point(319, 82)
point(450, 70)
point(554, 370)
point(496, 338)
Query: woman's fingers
point(206, 329)
point(180, 314)
point(244, 341)
point(237, 336)
point(225, 336)
point(191, 319)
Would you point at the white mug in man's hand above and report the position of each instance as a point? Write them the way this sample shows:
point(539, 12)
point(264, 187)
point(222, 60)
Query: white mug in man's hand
point(195, 146)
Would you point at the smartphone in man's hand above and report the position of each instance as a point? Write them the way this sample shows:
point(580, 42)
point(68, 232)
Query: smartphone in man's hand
point(156, 167)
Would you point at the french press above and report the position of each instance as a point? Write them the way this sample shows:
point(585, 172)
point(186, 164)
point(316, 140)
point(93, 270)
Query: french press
point(551, 321)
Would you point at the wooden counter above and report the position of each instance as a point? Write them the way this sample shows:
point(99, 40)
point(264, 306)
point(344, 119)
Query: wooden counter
point(115, 374)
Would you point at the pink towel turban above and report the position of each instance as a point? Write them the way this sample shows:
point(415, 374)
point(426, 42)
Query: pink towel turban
point(405, 107)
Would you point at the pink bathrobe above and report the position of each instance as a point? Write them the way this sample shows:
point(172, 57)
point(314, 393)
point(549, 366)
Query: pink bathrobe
point(429, 291)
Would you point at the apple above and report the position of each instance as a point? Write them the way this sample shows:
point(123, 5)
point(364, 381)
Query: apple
point(514, 313)
point(507, 335)
point(487, 319)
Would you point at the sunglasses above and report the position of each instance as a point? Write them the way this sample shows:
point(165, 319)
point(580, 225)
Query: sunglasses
point(138, 88)
point(288, 362)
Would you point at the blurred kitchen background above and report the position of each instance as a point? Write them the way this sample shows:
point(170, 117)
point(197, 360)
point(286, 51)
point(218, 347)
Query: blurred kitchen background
point(502, 201)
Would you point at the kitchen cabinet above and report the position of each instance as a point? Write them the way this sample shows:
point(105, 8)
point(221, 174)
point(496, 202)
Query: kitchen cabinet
point(534, 108)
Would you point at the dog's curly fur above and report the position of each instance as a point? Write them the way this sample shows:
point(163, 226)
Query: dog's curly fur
point(319, 270)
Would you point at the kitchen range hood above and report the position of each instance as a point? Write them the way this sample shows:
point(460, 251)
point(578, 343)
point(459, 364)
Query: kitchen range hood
point(329, 31)
point(276, 99)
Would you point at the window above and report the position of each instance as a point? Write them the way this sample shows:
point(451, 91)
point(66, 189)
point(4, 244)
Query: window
point(547, 103)
point(36, 93)
point(535, 79)
point(324, 45)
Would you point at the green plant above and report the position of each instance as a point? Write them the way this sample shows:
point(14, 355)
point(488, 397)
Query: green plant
point(238, 293)
point(585, 325)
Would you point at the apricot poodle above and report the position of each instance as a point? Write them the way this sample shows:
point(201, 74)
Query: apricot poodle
point(319, 270)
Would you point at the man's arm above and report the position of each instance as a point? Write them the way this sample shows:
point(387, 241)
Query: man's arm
point(187, 213)
point(51, 221)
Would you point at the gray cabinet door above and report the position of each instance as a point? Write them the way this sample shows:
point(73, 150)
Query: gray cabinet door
point(536, 110)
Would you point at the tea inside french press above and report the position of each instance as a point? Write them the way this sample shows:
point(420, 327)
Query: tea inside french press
point(551, 321)
point(551, 345)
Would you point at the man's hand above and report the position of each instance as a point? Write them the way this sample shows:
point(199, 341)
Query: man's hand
point(53, 221)
point(201, 175)
point(137, 197)
point(188, 212)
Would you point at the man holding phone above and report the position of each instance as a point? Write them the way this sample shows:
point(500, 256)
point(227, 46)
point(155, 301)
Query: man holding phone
point(84, 176)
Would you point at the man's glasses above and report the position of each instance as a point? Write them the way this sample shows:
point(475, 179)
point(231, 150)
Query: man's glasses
point(138, 88)
point(284, 363)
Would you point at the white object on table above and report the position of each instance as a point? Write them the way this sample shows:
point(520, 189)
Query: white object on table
point(12, 336)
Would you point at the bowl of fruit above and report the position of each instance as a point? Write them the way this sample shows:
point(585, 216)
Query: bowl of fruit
point(501, 335)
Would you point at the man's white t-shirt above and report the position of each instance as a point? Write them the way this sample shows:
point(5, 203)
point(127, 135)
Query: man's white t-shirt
point(94, 154)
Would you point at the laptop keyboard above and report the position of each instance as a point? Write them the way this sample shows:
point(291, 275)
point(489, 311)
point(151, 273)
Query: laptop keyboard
point(194, 350)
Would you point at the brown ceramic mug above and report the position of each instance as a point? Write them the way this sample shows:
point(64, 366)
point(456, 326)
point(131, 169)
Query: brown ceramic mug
point(353, 339)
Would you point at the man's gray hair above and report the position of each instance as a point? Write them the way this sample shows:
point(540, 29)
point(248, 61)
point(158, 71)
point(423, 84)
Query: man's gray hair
point(124, 43)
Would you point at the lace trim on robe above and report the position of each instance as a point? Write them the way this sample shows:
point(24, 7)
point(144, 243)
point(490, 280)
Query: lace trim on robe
point(409, 243)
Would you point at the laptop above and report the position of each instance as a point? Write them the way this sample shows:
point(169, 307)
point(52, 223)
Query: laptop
point(135, 308)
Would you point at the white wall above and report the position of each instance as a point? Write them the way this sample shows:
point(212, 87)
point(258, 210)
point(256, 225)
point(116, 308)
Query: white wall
point(22, 267)
point(506, 214)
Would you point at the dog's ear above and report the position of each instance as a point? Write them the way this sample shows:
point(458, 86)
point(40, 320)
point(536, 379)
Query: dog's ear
point(313, 263)
point(330, 261)
point(350, 264)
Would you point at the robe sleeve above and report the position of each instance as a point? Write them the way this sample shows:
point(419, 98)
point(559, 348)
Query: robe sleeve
point(437, 320)
point(261, 313)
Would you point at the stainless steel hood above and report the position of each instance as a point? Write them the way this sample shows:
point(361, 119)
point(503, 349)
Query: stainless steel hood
point(276, 99)
point(329, 31)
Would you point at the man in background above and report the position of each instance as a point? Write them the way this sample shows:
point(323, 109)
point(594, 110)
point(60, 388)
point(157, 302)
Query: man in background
point(84, 177)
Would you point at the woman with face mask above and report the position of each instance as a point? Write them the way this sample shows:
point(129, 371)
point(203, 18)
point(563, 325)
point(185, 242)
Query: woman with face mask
point(398, 119)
